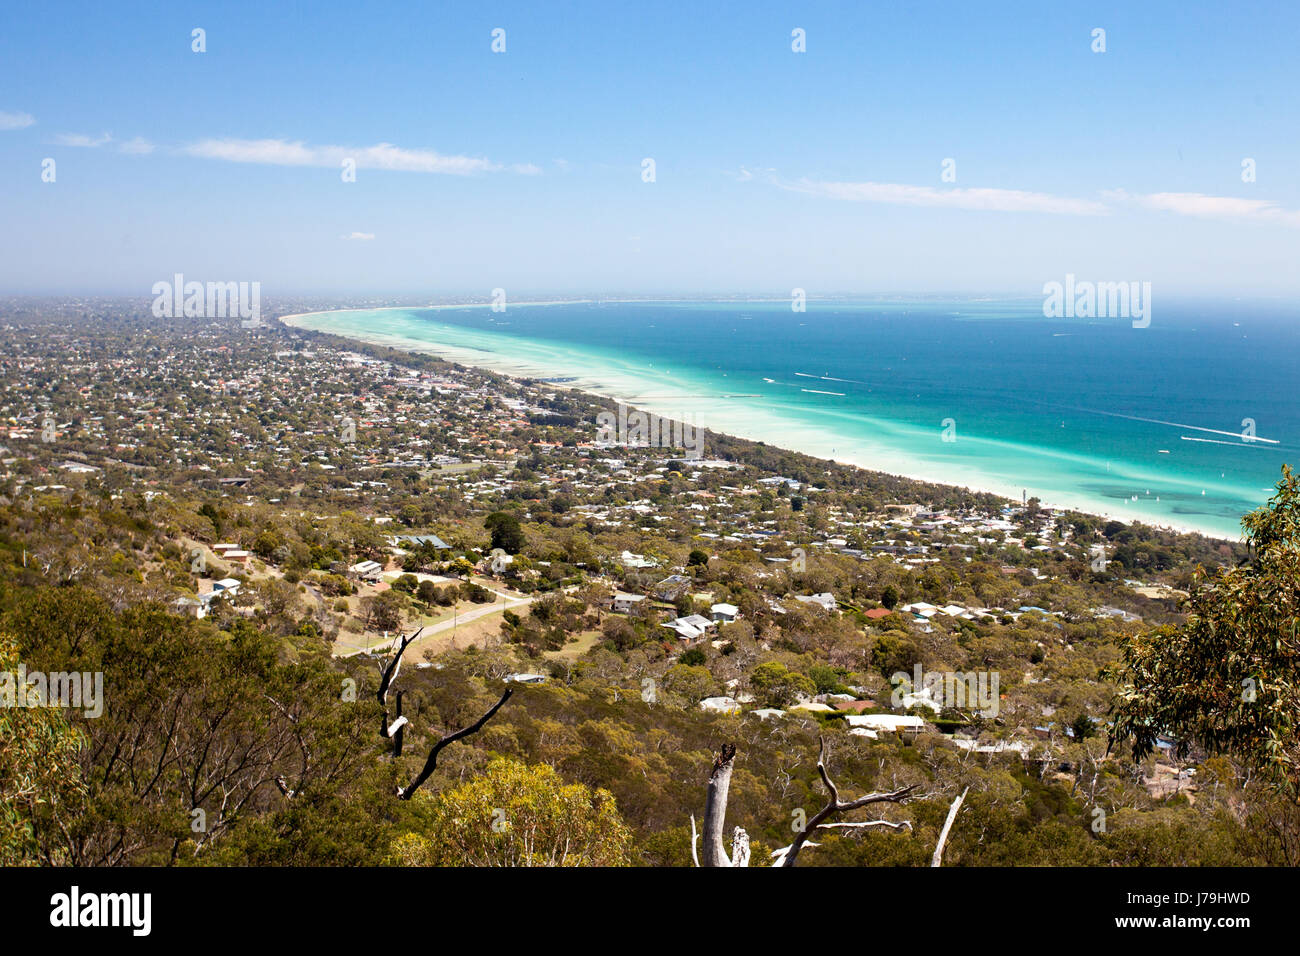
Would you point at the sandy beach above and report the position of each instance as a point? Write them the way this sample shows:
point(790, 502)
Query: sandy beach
point(623, 385)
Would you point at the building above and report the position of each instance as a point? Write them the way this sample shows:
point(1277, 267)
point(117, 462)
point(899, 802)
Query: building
point(525, 678)
point(367, 570)
point(724, 613)
point(824, 600)
point(192, 607)
point(689, 628)
point(720, 705)
point(889, 723)
point(672, 587)
point(417, 540)
point(623, 603)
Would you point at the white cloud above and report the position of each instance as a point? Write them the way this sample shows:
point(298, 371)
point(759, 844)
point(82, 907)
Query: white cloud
point(82, 141)
point(279, 152)
point(1201, 206)
point(994, 200)
point(136, 147)
point(361, 236)
point(16, 120)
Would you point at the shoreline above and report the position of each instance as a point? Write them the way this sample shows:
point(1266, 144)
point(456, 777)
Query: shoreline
point(519, 370)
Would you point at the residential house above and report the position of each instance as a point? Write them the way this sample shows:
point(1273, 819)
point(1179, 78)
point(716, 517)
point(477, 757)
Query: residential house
point(624, 603)
point(824, 600)
point(367, 570)
point(724, 613)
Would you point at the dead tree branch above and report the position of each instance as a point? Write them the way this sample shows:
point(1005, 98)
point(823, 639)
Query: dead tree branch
point(834, 805)
point(937, 859)
point(432, 762)
point(715, 807)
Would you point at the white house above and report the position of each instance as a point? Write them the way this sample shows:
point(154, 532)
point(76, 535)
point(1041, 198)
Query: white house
point(689, 628)
point(632, 560)
point(369, 570)
point(921, 609)
point(526, 678)
point(889, 723)
point(623, 603)
point(922, 698)
point(724, 613)
point(192, 607)
point(824, 600)
point(720, 705)
point(229, 585)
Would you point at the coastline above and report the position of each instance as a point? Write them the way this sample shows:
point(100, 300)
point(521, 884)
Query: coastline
point(522, 369)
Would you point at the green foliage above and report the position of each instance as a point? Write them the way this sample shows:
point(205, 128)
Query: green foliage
point(515, 814)
point(507, 533)
point(777, 686)
point(1229, 678)
point(39, 765)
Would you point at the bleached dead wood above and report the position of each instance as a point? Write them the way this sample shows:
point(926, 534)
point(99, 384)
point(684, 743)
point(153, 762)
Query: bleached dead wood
point(834, 805)
point(386, 679)
point(715, 807)
point(937, 859)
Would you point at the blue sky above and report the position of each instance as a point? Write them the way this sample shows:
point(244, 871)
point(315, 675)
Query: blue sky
point(774, 169)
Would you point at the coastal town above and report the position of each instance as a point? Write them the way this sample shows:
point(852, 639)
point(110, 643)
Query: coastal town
point(365, 501)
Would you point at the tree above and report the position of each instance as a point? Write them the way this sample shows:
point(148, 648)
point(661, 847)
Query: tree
point(427, 591)
point(39, 766)
point(693, 683)
point(383, 611)
point(1229, 677)
point(516, 814)
point(212, 514)
point(697, 558)
point(715, 813)
point(777, 686)
point(889, 597)
point(507, 533)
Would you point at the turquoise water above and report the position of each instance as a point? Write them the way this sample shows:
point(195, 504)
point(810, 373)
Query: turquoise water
point(1089, 413)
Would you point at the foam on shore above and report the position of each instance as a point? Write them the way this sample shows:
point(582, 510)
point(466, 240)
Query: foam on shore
point(674, 393)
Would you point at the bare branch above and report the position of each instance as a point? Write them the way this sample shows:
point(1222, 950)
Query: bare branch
point(386, 680)
point(394, 666)
point(779, 855)
point(937, 859)
point(432, 762)
point(835, 806)
point(740, 847)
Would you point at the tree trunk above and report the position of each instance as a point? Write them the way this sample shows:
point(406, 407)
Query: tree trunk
point(937, 859)
point(715, 807)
